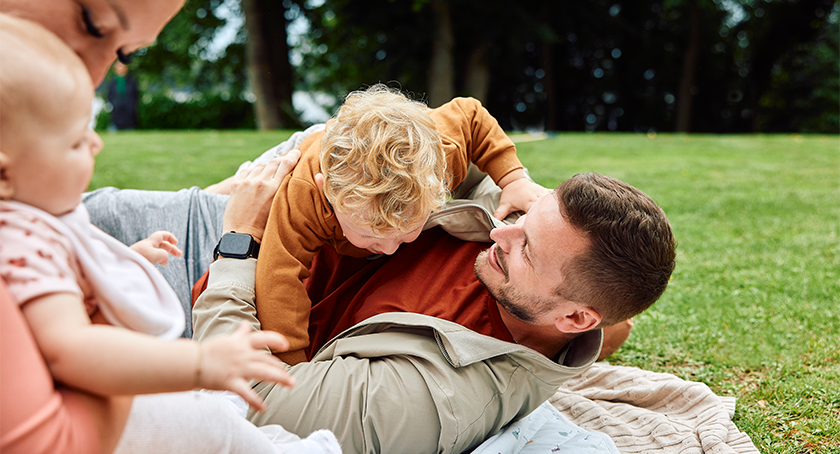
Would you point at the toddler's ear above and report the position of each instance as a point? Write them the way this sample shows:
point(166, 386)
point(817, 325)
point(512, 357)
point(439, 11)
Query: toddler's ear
point(6, 189)
point(319, 180)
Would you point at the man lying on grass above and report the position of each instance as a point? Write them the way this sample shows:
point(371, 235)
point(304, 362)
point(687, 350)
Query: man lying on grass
point(450, 340)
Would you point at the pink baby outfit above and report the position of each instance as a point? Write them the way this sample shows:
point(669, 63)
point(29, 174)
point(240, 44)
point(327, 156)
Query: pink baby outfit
point(42, 254)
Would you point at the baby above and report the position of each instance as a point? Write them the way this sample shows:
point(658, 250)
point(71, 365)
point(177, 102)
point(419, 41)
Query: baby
point(367, 184)
point(104, 319)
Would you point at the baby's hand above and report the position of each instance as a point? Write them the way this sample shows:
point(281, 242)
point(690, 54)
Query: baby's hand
point(157, 247)
point(228, 363)
point(519, 195)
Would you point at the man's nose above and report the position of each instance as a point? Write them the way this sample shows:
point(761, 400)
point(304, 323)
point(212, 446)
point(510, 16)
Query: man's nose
point(505, 237)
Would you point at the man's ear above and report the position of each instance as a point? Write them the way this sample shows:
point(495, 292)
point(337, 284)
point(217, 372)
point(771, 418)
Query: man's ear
point(6, 188)
point(577, 319)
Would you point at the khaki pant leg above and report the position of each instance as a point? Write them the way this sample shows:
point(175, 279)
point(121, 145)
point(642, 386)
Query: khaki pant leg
point(371, 405)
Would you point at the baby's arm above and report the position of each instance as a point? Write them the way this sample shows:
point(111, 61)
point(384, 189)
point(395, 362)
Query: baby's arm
point(157, 247)
point(108, 360)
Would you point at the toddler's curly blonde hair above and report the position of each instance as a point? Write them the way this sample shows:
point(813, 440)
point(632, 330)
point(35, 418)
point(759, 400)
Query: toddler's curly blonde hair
point(383, 161)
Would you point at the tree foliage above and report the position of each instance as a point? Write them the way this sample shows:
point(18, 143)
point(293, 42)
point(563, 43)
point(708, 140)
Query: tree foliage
point(185, 82)
point(697, 65)
point(598, 65)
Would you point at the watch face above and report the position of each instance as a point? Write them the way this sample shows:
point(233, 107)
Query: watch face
point(235, 245)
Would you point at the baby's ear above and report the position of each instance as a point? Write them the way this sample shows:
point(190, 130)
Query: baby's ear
point(319, 180)
point(6, 189)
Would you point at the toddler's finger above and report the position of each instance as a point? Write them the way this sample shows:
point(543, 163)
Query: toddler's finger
point(502, 212)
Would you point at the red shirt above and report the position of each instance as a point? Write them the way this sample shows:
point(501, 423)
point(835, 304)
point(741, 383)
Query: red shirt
point(434, 276)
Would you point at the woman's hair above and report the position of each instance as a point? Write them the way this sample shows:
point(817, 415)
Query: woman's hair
point(383, 161)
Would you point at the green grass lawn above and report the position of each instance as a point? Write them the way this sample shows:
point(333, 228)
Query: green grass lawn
point(753, 308)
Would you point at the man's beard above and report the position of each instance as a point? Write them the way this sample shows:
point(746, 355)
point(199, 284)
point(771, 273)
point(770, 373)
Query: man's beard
point(510, 299)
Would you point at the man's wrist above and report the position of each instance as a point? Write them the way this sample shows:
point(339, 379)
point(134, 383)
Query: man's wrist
point(236, 245)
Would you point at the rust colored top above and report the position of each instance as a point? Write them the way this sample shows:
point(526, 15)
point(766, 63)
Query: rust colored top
point(433, 276)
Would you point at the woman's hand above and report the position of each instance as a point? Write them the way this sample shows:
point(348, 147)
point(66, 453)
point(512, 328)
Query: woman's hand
point(229, 363)
point(252, 193)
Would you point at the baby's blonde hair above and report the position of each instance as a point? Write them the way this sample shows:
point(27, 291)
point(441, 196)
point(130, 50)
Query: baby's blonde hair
point(37, 72)
point(383, 161)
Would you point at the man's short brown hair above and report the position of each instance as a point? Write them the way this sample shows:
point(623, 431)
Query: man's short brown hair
point(632, 249)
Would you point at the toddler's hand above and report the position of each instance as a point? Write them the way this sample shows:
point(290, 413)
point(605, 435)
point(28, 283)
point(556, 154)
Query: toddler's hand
point(229, 363)
point(519, 195)
point(157, 247)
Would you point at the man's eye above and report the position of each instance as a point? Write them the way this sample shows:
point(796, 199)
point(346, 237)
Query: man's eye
point(89, 25)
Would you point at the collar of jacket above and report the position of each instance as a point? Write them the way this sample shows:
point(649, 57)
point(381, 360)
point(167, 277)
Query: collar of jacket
point(460, 346)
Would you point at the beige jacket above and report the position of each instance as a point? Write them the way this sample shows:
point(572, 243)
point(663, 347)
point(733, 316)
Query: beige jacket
point(401, 382)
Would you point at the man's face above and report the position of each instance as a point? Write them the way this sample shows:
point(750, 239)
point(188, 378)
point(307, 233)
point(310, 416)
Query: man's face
point(524, 269)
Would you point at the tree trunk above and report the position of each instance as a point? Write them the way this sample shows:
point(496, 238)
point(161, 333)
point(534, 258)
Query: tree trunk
point(269, 71)
point(442, 68)
point(477, 81)
point(685, 97)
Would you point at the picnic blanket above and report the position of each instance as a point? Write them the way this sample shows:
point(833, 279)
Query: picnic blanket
point(650, 412)
point(545, 431)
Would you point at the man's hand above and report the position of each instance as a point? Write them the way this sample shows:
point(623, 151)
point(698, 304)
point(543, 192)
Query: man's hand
point(252, 193)
point(518, 195)
point(229, 363)
point(157, 247)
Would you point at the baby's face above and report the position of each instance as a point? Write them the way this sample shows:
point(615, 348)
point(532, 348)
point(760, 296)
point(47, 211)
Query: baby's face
point(51, 160)
point(386, 242)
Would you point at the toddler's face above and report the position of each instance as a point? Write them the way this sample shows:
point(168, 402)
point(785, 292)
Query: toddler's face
point(376, 242)
point(51, 161)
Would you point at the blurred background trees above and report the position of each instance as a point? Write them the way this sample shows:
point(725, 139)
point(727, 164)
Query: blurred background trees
point(717, 66)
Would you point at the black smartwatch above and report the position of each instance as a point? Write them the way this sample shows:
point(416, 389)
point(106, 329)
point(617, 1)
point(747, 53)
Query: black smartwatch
point(236, 246)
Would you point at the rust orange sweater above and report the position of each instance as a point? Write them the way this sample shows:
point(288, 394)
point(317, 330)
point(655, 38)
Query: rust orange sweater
point(301, 220)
